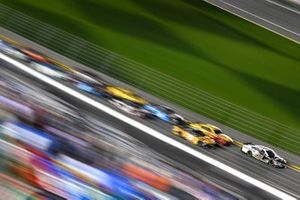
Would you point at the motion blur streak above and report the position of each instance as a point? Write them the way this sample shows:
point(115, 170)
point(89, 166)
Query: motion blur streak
point(148, 130)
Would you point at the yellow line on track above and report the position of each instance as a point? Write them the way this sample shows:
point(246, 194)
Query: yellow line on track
point(294, 167)
point(237, 143)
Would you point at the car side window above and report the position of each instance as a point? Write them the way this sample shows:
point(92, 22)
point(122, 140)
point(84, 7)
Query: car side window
point(206, 128)
point(198, 133)
point(262, 152)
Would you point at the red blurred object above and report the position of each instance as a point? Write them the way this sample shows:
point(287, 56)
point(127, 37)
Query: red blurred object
point(146, 176)
point(220, 140)
point(34, 54)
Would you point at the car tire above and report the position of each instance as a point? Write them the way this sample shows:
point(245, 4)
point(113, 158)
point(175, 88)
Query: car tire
point(202, 144)
point(271, 162)
point(249, 153)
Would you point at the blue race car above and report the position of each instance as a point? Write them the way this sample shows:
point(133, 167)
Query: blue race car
point(88, 82)
point(164, 113)
point(91, 88)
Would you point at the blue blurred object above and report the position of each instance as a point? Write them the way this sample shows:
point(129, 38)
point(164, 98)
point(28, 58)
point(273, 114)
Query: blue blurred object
point(28, 135)
point(157, 112)
point(164, 113)
point(91, 88)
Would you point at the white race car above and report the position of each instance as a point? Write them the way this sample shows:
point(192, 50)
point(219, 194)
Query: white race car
point(130, 107)
point(264, 154)
point(49, 70)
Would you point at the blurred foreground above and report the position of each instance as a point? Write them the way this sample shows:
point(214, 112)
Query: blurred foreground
point(49, 150)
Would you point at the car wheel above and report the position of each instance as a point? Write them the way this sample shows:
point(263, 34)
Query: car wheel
point(249, 153)
point(202, 144)
point(271, 162)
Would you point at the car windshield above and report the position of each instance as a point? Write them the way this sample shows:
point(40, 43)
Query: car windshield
point(196, 133)
point(166, 110)
point(270, 153)
point(218, 131)
point(130, 103)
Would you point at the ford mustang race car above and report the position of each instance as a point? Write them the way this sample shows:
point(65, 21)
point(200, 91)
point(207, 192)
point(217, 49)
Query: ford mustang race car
point(193, 136)
point(212, 132)
point(264, 154)
point(123, 94)
point(164, 113)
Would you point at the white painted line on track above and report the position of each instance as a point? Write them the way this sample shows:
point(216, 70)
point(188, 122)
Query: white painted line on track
point(148, 130)
point(283, 6)
point(268, 21)
point(252, 21)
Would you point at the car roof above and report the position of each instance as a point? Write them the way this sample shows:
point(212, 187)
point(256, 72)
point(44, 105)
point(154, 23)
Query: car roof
point(200, 124)
point(263, 147)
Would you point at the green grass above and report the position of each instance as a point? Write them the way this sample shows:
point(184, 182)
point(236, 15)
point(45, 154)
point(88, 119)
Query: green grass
point(193, 42)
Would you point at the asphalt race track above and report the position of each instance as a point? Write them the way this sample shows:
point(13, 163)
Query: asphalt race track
point(280, 178)
point(275, 15)
point(284, 179)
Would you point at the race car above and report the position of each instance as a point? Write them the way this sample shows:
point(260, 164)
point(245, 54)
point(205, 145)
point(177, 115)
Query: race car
point(62, 66)
point(49, 70)
point(212, 132)
point(91, 88)
point(264, 154)
point(123, 94)
point(88, 82)
point(33, 54)
point(193, 136)
point(86, 76)
point(12, 51)
point(131, 108)
point(164, 113)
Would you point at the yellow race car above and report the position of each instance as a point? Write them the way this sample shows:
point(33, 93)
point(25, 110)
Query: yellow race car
point(62, 66)
point(193, 136)
point(123, 94)
point(212, 132)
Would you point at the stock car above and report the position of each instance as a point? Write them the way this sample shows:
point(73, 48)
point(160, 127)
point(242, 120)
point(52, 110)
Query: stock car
point(193, 136)
point(114, 92)
point(88, 82)
point(33, 55)
point(131, 107)
point(164, 113)
point(62, 66)
point(12, 51)
point(86, 76)
point(264, 154)
point(49, 70)
point(91, 88)
point(212, 132)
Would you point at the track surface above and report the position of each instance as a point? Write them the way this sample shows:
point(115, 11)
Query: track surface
point(271, 14)
point(285, 179)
